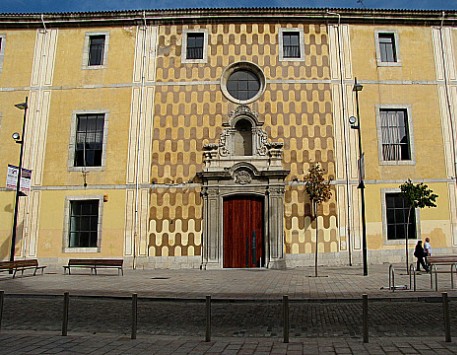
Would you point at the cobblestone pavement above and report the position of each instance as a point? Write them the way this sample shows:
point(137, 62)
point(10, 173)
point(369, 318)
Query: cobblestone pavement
point(86, 344)
point(246, 312)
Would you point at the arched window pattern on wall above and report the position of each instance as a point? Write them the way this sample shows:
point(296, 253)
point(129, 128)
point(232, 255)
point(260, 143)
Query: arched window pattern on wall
point(243, 138)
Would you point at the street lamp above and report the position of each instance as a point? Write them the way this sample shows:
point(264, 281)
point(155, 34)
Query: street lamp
point(355, 124)
point(19, 140)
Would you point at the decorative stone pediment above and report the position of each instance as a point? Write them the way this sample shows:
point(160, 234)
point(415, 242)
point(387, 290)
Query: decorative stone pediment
point(243, 139)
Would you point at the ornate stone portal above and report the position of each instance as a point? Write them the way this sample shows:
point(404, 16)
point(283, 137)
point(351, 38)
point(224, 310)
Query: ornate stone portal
point(244, 163)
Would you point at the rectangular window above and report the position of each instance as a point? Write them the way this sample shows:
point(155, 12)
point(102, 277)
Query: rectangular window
point(395, 135)
point(89, 140)
point(2, 51)
point(397, 217)
point(96, 49)
point(83, 229)
point(291, 44)
point(195, 45)
point(387, 47)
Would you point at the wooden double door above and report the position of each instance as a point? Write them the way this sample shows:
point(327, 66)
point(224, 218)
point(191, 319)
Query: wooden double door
point(244, 232)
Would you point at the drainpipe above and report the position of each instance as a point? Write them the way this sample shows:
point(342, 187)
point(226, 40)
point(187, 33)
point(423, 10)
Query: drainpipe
point(448, 101)
point(346, 138)
point(139, 131)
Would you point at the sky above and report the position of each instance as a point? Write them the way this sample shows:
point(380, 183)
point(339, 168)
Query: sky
point(43, 6)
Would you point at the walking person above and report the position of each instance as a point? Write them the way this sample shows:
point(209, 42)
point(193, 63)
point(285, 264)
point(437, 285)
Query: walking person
point(428, 250)
point(419, 253)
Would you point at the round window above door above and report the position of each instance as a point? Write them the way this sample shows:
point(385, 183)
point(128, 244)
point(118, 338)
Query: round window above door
point(243, 82)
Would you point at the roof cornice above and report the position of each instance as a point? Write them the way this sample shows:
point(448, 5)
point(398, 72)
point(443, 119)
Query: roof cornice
point(129, 17)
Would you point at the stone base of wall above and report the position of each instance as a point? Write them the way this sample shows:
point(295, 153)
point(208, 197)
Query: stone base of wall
point(54, 265)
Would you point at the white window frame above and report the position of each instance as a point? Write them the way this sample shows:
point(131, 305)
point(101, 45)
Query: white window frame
point(406, 108)
point(301, 42)
point(379, 62)
point(86, 51)
point(184, 46)
point(66, 226)
point(2, 50)
point(388, 241)
point(72, 145)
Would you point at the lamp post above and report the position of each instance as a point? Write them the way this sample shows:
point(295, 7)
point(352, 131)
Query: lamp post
point(19, 140)
point(355, 124)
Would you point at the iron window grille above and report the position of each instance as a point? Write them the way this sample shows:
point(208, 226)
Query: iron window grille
point(291, 45)
point(195, 44)
point(89, 140)
point(83, 224)
point(395, 135)
point(397, 210)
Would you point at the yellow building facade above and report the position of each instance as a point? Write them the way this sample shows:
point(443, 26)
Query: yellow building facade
point(182, 138)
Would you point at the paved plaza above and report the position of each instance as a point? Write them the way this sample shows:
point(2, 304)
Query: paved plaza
point(246, 312)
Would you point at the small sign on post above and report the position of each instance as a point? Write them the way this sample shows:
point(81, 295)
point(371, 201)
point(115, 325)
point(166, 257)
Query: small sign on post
point(11, 179)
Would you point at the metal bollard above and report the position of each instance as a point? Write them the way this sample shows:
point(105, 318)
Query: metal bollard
point(2, 297)
point(134, 314)
point(447, 322)
point(285, 303)
point(365, 318)
point(66, 303)
point(208, 319)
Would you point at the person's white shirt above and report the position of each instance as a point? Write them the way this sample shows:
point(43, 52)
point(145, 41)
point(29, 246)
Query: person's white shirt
point(428, 248)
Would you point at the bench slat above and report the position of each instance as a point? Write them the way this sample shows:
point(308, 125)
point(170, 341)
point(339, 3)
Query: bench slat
point(94, 263)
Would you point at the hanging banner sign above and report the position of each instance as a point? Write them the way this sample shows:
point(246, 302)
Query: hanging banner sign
point(11, 179)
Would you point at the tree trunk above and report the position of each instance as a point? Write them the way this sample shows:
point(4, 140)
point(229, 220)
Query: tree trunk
point(317, 239)
point(407, 237)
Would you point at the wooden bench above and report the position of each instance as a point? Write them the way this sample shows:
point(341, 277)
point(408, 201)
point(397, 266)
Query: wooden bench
point(94, 264)
point(21, 265)
point(446, 260)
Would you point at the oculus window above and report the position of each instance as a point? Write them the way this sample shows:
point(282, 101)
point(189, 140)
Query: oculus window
point(243, 82)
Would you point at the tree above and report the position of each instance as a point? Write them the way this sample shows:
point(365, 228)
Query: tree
point(319, 191)
point(416, 196)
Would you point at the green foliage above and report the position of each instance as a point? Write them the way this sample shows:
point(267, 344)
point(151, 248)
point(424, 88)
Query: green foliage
point(418, 195)
point(315, 185)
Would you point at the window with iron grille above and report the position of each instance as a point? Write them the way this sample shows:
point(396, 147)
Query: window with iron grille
point(397, 217)
point(83, 229)
point(96, 50)
point(395, 135)
point(89, 140)
point(291, 44)
point(195, 45)
point(387, 47)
